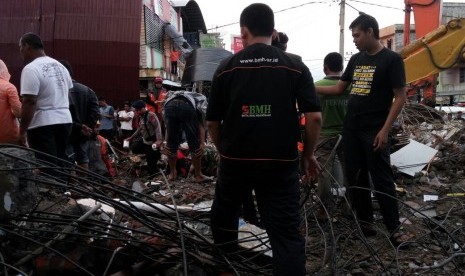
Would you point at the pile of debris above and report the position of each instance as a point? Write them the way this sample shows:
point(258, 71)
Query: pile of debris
point(58, 221)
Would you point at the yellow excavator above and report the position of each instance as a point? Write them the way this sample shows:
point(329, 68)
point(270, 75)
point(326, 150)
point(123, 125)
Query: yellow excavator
point(436, 50)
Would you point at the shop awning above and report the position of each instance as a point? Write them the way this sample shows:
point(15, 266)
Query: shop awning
point(178, 39)
point(201, 64)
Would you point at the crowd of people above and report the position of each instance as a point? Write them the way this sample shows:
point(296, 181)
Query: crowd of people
point(252, 116)
point(65, 122)
point(458, 117)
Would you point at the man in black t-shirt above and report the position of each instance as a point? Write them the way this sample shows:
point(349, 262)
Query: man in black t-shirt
point(252, 119)
point(377, 77)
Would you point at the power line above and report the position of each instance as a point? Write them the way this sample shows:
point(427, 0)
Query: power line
point(382, 6)
point(347, 4)
point(312, 2)
point(283, 10)
point(301, 5)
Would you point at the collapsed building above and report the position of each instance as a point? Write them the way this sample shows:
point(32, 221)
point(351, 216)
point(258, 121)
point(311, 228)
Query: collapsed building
point(65, 220)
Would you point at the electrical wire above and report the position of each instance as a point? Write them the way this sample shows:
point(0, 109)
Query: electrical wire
point(279, 11)
point(377, 5)
point(336, 246)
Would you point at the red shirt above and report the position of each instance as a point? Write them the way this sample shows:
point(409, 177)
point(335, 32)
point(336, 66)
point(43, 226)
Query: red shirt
point(174, 56)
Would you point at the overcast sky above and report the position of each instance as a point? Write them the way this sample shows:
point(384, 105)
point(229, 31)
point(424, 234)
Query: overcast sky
point(312, 25)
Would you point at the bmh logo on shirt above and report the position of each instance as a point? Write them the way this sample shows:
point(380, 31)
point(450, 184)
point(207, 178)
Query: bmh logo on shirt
point(256, 111)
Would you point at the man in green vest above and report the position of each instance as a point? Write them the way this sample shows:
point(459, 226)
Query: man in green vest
point(330, 153)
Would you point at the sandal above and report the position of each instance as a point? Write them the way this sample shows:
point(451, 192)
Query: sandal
point(400, 239)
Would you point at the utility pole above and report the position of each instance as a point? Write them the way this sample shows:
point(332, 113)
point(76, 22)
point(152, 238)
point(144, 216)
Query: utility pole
point(342, 15)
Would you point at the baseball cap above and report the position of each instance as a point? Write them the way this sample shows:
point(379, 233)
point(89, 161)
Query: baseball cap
point(138, 104)
point(158, 80)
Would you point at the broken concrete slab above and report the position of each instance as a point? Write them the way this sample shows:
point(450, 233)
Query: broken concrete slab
point(412, 158)
point(254, 237)
point(430, 198)
point(18, 192)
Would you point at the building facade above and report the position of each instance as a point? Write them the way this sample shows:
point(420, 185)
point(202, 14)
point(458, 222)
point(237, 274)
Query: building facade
point(99, 38)
point(167, 26)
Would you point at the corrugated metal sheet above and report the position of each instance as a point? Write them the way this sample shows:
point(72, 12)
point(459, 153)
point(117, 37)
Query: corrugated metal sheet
point(451, 11)
point(99, 38)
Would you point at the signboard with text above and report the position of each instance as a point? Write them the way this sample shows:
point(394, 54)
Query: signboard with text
point(236, 43)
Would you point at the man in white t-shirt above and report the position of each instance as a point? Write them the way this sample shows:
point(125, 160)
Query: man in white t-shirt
point(125, 117)
point(45, 116)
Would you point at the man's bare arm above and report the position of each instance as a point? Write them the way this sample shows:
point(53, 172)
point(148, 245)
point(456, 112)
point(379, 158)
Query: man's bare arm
point(400, 97)
point(29, 105)
point(313, 123)
point(332, 90)
point(214, 132)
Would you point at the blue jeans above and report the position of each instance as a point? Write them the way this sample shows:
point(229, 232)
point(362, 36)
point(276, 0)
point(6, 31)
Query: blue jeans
point(362, 160)
point(180, 116)
point(277, 191)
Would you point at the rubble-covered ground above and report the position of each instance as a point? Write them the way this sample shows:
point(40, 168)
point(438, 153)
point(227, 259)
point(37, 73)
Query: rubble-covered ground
point(58, 221)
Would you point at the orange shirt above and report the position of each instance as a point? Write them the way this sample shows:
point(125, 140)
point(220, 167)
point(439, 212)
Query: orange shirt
point(10, 108)
point(149, 106)
point(161, 100)
point(105, 157)
point(174, 56)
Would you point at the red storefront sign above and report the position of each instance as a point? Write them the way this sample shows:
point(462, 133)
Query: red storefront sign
point(236, 43)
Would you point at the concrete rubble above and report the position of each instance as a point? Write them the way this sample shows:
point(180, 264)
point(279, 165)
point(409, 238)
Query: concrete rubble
point(79, 223)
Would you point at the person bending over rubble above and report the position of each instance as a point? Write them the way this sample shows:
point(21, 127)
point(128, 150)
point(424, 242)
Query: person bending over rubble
point(377, 76)
point(184, 111)
point(252, 103)
point(149, 131)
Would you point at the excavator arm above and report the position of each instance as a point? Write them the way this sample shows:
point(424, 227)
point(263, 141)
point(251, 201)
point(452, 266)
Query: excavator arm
point(427, 14)
point(437, 51)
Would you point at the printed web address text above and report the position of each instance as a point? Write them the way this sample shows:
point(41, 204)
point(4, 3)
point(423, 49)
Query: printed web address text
point(258, 60)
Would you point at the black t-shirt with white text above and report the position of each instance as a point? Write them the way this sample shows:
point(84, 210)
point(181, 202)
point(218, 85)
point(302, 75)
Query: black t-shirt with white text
point(373, 78)
point(254, 95)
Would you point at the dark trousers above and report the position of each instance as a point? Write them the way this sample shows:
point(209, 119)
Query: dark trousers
point(151, 155)
point(277, 191)
point(180, 116)
point(126, 133)
point(51, 139)
point(362, 160)
point(174, 67)
point(107, 133)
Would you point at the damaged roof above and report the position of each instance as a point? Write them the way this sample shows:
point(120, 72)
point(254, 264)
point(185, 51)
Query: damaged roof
point(192, 18)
